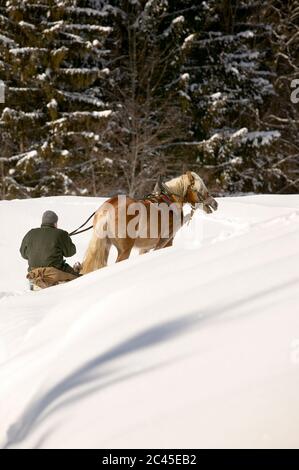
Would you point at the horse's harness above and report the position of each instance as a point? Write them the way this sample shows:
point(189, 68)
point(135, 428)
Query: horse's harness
point(157, 198)
point(163, 194)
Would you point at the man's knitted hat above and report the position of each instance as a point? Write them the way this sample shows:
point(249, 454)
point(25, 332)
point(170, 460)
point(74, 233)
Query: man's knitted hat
point(49, 218)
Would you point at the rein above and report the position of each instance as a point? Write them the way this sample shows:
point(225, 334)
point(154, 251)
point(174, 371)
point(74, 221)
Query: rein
point(77, 231)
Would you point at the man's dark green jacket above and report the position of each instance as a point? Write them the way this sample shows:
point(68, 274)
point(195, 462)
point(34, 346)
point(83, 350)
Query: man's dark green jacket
point(46, 246)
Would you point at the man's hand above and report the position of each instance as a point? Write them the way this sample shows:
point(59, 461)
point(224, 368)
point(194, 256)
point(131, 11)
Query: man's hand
point(77, 267)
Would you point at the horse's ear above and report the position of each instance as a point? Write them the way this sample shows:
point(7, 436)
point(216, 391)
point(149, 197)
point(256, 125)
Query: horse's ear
point(158, 185)
point(190, 176)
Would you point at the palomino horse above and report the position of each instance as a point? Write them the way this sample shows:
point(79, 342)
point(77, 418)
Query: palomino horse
point(159, 216)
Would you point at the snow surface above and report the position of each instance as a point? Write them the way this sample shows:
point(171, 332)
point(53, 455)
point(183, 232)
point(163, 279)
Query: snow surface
point(192, 346)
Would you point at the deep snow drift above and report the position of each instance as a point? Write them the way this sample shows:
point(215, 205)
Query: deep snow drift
point(192, 346)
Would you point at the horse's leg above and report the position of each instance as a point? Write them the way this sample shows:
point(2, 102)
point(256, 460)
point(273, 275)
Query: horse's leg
point(169, 243)
point(142, 251)
point(124, 249)
point(123, 254)
point(163, 243)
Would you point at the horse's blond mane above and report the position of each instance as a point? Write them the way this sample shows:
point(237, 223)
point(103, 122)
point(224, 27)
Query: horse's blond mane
point(178, 185)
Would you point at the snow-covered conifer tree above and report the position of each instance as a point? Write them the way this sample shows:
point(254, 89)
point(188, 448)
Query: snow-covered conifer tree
point(230, 88)
point(146, 89)
point(54, 117)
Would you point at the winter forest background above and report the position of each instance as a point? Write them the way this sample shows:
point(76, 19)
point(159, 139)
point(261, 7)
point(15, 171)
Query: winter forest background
point(102, 96)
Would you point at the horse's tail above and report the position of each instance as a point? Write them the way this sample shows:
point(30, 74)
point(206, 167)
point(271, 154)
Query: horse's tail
point(97, 253)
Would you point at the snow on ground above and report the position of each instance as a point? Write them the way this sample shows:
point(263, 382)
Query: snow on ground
point(191, 346)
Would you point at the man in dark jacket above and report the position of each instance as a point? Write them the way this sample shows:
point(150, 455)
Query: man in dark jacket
point(44, 248)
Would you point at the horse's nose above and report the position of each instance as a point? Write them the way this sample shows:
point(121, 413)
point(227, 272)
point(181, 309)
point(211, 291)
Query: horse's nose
point(215, 204)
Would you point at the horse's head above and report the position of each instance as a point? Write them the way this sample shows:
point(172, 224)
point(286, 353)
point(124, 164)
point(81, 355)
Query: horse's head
point(197, 193)
point(190, 188)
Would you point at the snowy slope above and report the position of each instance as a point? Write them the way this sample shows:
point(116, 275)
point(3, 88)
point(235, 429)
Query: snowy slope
point(193, 346)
